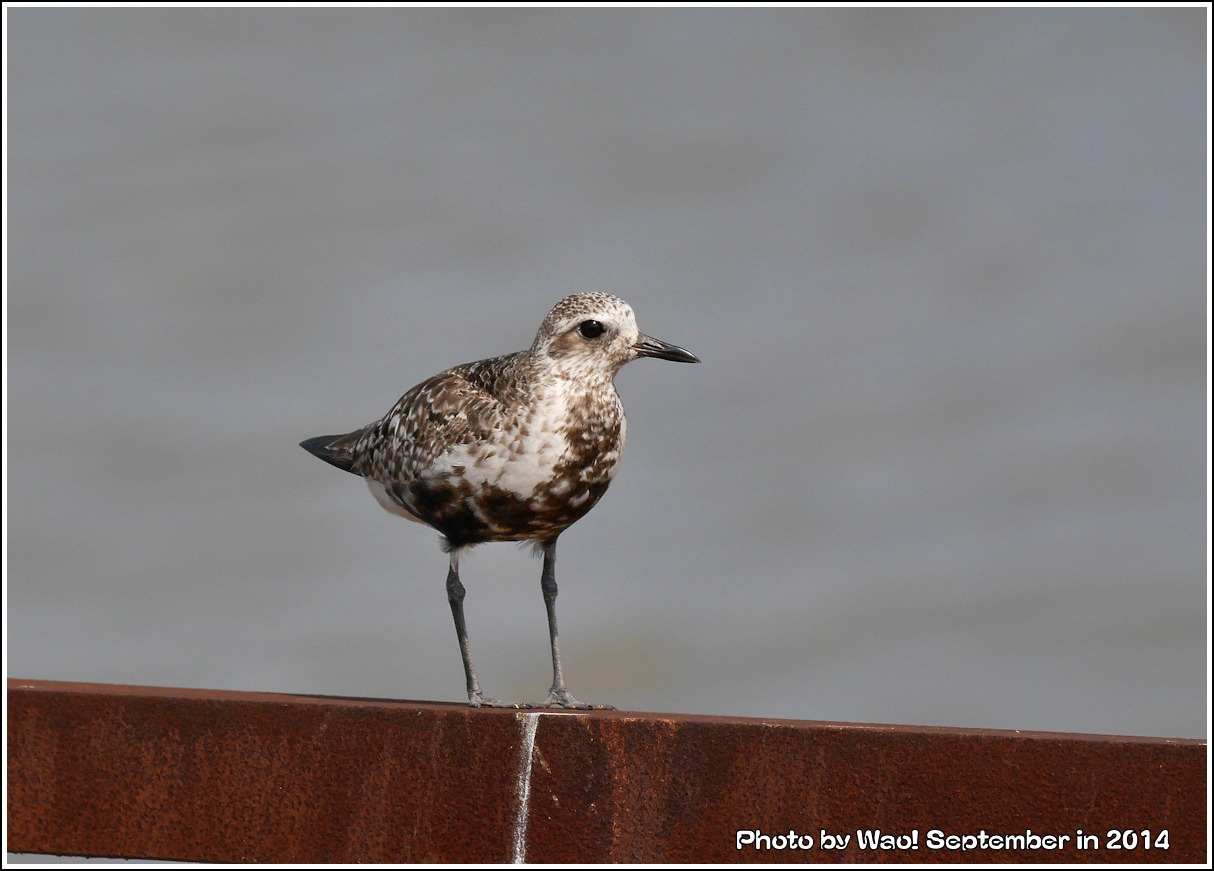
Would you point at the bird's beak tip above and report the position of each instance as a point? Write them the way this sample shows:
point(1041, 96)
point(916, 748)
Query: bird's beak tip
point(647, 346)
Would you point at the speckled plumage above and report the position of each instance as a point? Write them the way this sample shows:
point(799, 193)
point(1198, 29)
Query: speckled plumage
point(512, 448)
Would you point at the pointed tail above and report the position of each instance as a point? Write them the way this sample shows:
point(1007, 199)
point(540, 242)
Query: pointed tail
point(336, 450)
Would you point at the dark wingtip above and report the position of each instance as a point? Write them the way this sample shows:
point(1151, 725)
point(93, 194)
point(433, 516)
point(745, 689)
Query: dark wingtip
point(319, 447)
point(316, 446)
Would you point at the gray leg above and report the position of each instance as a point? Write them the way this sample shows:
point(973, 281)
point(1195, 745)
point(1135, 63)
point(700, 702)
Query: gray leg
point(455, 596)
point(559, 696)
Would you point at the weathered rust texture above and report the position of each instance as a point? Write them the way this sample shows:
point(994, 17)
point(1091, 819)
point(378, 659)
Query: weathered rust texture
point(201, 775)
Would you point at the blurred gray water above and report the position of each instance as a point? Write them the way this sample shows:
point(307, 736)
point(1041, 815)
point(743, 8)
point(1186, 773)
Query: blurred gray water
point(945, 459)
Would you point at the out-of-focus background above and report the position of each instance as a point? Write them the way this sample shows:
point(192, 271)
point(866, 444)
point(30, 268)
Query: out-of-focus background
point(944, 462)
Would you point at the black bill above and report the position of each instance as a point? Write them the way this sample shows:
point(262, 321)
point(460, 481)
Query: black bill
point(647, 346)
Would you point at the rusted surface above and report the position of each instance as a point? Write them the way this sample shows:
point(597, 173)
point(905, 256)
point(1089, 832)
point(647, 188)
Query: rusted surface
point(215, 776)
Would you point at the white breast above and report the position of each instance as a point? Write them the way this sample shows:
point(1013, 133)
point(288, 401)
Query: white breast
point(521, 456)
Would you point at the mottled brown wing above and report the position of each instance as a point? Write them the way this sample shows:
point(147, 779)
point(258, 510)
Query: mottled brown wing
point(453, 408)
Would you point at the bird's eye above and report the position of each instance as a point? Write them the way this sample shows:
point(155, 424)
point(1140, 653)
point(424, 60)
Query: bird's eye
point(590, 329)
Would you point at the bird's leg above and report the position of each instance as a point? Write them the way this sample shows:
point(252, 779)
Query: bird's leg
point(559, 696)
point(455, 596)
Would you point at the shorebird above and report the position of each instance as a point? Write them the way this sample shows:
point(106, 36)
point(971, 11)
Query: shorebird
point(512, 448)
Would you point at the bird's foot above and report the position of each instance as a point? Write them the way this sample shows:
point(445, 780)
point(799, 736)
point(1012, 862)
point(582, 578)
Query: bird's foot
point(477, 700)
point(562, 698)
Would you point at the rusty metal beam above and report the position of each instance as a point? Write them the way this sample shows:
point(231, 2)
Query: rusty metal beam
point(118, 771)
